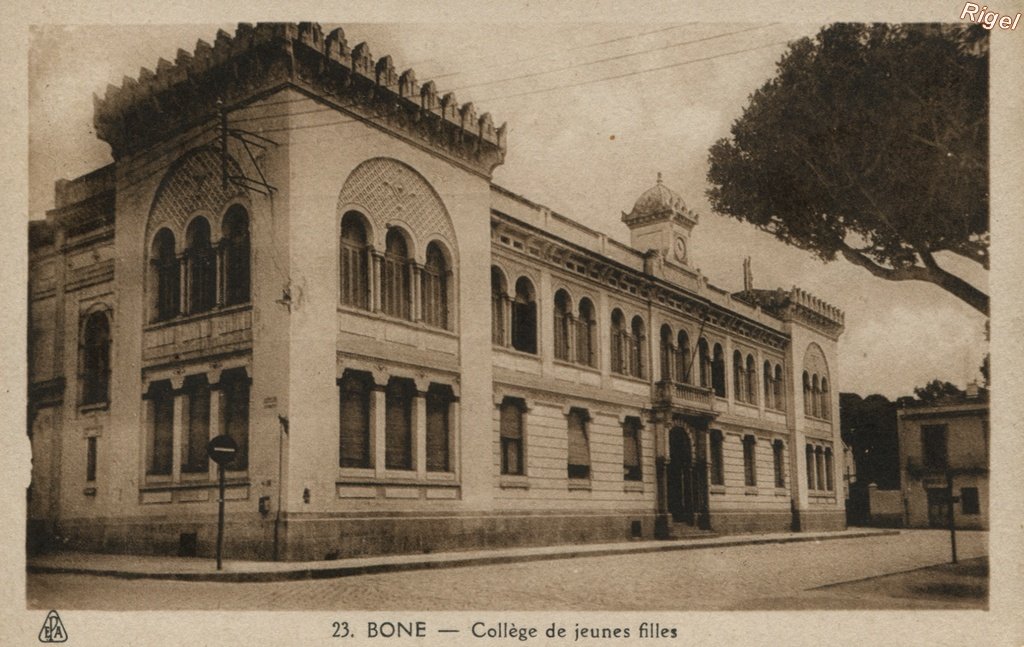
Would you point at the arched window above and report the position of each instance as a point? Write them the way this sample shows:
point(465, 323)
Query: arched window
point(524, 317)
point(563, 324)
point(354, 262)
point(202, 270)
point(166, 284)
point(704, 362)
point(807, 394)
point(665, 353)
point(718, 371)
point(499, 293)
point(751, 380)
point(236, 247)
point(739, 379)
point(586, 334)
point(769, 395)
point(435, 288)
point(638, 348)
point(395, 292)
point(815, 397)
point(824, 409)
point(683, 357)
point(777, 389)
point(620, 345)
point(96, 359)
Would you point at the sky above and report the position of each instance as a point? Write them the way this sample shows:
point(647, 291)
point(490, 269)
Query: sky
point(595, 112)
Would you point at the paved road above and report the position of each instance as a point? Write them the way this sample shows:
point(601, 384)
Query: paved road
point(768, 576)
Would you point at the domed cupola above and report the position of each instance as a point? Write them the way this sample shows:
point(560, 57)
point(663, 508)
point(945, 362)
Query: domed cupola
point(661, 221)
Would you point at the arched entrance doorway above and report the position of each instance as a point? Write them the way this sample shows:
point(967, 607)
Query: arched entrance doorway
point(679, 477)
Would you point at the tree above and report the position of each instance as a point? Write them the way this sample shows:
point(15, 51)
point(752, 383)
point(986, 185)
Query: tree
point(869, 143)
point(868, 427)
point(937, 390)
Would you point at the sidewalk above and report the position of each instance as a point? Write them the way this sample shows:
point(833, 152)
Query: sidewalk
point(204, 569)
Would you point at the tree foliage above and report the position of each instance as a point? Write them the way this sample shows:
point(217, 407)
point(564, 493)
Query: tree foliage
point(937, 390)
point(869, 143)
point(868, 427)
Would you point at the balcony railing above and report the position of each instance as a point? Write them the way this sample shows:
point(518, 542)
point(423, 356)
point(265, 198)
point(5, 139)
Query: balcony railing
point(684, 396)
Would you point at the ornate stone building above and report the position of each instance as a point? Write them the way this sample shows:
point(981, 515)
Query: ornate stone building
point(303, 249)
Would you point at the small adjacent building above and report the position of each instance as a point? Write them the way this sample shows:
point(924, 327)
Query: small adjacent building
point(940, 440)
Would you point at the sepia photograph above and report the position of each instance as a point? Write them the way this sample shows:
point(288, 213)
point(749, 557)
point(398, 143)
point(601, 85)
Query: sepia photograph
point(411, 322)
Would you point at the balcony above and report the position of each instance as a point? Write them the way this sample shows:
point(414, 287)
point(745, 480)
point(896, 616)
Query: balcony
point(685, 397)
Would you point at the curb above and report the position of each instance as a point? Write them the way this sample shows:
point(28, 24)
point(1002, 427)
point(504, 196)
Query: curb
point(425, 564)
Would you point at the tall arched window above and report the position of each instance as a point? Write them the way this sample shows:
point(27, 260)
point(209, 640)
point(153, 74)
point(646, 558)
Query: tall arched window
point(96, 359)
point(499, 290)
point(354, 262)
point(683, 357)
point(718, 371)
point(824, 409)
point(563, 323)
point(807, 394)
point(236, 247)
point(524, 317)
point(435, 288)
point(638, 348)
point(751, 380)
point(777, 389)
point(766, 376)
point(739, 379)
point(202, 270)
point(166, 286)
point(705, 366)
point(395, 292)
point(665, 353)
point(586, 334)
point(620, 346)
point(815, 397)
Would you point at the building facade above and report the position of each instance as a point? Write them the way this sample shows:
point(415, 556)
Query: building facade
point(944, 445)
point(301, 248)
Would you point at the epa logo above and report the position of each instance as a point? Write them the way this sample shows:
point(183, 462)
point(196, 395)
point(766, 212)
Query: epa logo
point(53, 629)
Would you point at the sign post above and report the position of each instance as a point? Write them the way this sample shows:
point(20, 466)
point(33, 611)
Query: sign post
point(221, 450)
point(952, 520)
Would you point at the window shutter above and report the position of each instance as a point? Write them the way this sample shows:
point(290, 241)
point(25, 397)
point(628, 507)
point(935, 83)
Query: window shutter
point(511, 421)
point(437, 432)
point(398, 427)
point(194, 457)
point(355, 423)
point(579, 451)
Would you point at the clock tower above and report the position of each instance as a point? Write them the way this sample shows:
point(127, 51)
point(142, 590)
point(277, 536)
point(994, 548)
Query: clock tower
point(660, 221)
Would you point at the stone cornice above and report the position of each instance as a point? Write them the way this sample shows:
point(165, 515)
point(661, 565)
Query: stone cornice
point(271, 56)
point(629, 282)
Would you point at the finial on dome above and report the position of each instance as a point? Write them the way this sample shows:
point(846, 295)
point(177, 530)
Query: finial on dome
point(659, 177)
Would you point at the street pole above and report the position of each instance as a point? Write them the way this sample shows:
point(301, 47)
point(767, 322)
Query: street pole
point(220, 516)
point(952, 523)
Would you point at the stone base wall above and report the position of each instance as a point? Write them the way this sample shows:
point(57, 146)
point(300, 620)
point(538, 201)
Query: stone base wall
point(738, 522)
point(822, 520)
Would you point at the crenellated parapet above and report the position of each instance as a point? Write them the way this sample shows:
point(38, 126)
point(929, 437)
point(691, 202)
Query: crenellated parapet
point(797, 304)
point(259, 60)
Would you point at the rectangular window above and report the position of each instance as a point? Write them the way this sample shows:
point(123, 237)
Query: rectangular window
point(933, 446)
point(398, 448)
point(749, 462)
point(631, 470)
point(810, 467)
point(829, 484)
point(235, 384)
point(717, 460)
point(969, 502)
point(161, 429)
point(439, 400)
point(579, 448)
point(193, 446)
point(511, 432)
point(90, 459)
point(778, 462)
point(354, 416)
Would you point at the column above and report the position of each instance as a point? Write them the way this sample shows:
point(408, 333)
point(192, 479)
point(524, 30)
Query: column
point(219, 256)
point(416, 292)
point(506, 313)
point(376, 271)
point(180, 412)
point(419, 432)
point(571, 350)
point(672, 367)
point(183, 284)
point(378, 404)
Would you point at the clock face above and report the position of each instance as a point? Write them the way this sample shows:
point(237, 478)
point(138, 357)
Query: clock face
point(679, 248)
